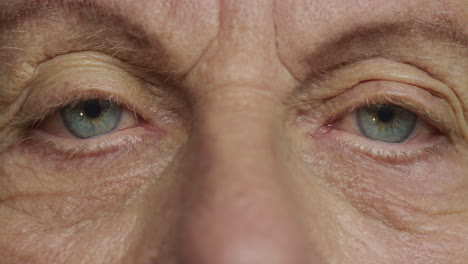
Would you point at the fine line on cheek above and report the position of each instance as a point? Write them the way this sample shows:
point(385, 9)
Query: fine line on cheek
point(399, 195)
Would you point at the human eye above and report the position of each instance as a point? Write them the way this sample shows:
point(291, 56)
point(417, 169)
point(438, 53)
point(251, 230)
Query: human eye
point(86, 107)
point(388, 121)
point(89, 118)
point(91, 107)
point(88, 123)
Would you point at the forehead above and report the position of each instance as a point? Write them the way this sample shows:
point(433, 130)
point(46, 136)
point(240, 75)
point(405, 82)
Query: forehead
point(293, 25)
point(285, 13)
point(253, 31)
point(193, 24)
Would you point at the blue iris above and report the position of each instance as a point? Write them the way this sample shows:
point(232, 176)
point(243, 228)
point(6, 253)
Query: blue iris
point(388, 123)
point(91, 118)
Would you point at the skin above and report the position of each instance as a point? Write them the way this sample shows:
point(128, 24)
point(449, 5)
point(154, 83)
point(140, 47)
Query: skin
point(238, 144)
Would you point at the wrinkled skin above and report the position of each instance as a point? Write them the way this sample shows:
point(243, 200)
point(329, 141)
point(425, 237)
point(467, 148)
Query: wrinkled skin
point(235, 153)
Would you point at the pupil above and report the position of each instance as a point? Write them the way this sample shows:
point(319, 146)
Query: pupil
point(386, 114)
point(93, 109)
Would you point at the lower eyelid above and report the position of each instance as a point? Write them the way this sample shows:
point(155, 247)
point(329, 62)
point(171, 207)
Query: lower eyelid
point(122, 140)
point(381, 151)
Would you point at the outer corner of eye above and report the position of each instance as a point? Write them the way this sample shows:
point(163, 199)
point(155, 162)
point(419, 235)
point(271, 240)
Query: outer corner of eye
point(89, 119)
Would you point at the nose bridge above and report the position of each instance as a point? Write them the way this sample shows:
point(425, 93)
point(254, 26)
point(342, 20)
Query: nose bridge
point(237, 204)
point(236, 133)
point(237, 209)
point(238, 118)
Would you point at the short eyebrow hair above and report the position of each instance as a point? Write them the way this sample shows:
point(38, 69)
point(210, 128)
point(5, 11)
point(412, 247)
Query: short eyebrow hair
point(14, 13)
point(141, 49)
point(380, 39)
point(336, 52)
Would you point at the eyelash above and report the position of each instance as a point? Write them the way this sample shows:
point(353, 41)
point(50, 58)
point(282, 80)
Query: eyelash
point(423, 114)
point(381, 151)
point(29, 121)
point(29, 125)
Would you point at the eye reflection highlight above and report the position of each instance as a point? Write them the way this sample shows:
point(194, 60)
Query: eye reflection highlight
point(387, 123)
point(91, 118)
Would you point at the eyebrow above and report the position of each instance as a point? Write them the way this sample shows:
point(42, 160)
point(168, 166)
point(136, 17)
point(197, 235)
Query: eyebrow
point(14, 13)
point(383, 39)
point(331, 55)
point(110, 32)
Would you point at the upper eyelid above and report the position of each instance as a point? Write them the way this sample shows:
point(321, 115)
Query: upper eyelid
point(422, 112)
point(345, 103)
point(45, 95)
point(27, 119)
point(157, 108)
point(379, 68)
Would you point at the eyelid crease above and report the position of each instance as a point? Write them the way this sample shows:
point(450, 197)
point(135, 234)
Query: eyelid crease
point(423, 114)
point(375, 68)
point(55, 86)
point(368, 93)
point(383, 69)
point(96, 148)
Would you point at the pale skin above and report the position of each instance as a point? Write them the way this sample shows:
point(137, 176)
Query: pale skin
point(237, 143)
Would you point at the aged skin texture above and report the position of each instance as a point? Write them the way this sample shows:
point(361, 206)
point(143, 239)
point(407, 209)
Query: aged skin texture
point(234, 131)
